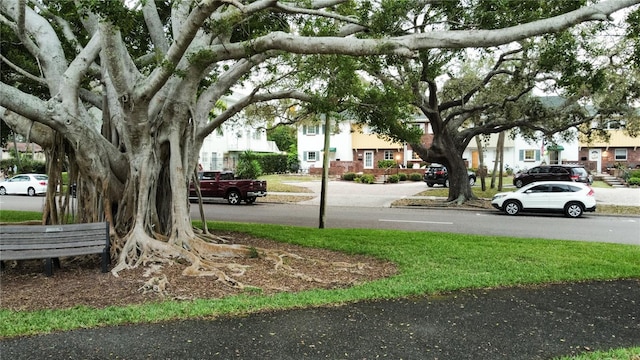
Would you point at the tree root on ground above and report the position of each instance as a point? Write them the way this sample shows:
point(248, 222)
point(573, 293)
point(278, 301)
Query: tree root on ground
point(204, 258)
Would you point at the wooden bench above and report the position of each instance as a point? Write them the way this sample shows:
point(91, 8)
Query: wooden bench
point(49, 242)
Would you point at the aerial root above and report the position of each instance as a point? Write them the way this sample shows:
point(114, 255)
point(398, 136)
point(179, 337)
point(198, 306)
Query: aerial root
point(157, 284)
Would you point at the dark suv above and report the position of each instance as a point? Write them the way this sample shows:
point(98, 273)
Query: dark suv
point(575, 173)
point(437, 174)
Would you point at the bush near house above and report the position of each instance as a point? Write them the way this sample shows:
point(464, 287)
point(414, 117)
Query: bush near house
point(350, 176)
point(273, 163)
point(366, 179)
point(393, 178)
point(415, 177)
point(385, 164)
point(402, 176)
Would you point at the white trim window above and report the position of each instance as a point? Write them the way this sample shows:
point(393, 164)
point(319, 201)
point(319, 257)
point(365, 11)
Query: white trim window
point(620, 154)
point(388, 155)
point(311, 156)
point(311, 130)
point(530, 155)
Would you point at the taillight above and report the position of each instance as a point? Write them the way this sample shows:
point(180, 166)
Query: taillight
point(591, 192)
point(43, 183)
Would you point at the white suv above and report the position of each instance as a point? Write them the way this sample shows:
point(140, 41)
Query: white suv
point(570, 198)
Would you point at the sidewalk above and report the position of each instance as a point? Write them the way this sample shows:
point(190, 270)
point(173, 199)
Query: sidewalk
point(515, 323)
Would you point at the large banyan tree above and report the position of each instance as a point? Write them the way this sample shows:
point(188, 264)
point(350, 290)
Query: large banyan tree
point(121, 94)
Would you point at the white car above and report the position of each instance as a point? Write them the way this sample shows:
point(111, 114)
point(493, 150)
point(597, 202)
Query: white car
point(29, 184)
point(570, 198)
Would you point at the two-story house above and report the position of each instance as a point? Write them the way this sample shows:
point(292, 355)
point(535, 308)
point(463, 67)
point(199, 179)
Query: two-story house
point(221, 150)
point(521, 154)
point(621, 150)
point(353, 147)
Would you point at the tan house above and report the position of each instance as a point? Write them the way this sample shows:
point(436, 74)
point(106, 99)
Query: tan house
point(23, 148)
point(621, 150)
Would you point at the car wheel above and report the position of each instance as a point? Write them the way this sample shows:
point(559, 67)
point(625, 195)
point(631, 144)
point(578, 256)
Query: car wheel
point(250, 200)
point(512, 207)
point(446, 183)
point(518, 183)
point(31, 191)
point(472, 181)
point(234, 197)
point(3, 191)
point(573, 210)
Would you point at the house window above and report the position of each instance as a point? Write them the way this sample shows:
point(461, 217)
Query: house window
point(615, 125)
point(310, 129)
point(311, 155)
point(621, 154)
point(530, 155)
point(388, 154)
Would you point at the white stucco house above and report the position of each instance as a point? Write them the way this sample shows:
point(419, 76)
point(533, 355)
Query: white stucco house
point(222, 148)
point(311, 144)
point(521, 154)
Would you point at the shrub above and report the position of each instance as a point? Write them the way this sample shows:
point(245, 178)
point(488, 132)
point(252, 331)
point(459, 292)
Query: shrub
point(393, 179)
point(415, 177)
point(248, 167)
point(402, 176)
point(384, 164)
point(634, 181)
point(366, 179)
point(634, 174)
point(349, 176)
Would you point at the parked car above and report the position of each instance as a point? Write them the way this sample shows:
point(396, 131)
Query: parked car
point(29, 184)
point(217, 184)
point(575, 173)
point(572, 199)
point(437, 174)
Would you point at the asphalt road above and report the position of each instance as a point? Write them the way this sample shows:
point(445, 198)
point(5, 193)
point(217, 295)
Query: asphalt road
point(352, 205)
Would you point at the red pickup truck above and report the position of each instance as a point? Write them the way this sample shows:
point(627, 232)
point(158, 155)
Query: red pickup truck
point(223, 184)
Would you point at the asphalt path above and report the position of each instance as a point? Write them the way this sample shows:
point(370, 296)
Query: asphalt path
point(541, 322)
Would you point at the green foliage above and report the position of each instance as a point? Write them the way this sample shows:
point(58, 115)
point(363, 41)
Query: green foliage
point(402, 176)
point(27, 165)
point(385, 164)
point(248, 167)
point(415, 177)
point(365, 179)
point(272, 163)
point(393, 178)
point(284, 136)
point(349, 176)
point(634, 181)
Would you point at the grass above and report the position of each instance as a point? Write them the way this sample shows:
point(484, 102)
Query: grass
point(278, 183)
point(428, 263)
point(613, 354)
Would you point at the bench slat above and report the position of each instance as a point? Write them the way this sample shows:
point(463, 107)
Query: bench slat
point(50, 253)
point(26, 242)
point(57, 245)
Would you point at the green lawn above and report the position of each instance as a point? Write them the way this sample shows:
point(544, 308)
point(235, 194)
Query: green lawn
point(428, 263)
